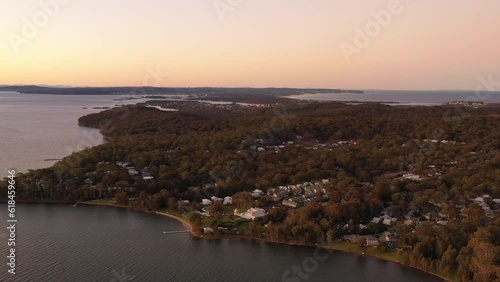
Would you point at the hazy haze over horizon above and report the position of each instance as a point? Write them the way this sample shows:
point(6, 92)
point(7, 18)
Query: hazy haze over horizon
point(433, 45)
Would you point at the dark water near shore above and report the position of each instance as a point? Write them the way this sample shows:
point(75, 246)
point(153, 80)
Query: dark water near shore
point(92, 243)
point(37, 129)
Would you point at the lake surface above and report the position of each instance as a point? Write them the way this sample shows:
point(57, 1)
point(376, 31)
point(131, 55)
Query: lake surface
point(405, 97)
point(92, 243)
point(37, 129)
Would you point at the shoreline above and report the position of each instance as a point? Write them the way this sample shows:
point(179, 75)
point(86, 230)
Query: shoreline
point(189, 228)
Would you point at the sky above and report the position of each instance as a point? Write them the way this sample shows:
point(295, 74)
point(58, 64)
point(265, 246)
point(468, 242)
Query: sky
point(364, 44)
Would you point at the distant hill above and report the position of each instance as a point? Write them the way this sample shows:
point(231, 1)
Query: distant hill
point(61, 90)
point(240, 94)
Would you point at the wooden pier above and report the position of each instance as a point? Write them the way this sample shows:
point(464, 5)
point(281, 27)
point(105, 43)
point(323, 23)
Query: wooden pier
point(175, 232)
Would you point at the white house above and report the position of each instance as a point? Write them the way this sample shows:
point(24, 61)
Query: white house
point(478, 200)
point(257, 193)
point(251, 213)
point(206, 202)
point(133, 172)
point(412, 176)
point(208, 230)
point(215, 199)
point(290, 203)
point(371, 241)
point(228, 201)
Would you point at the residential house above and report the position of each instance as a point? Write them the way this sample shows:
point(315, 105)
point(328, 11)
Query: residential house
point(412, 176)
point(206, 202)
point(227, 201)
point(389, 239)
point(132, 171)
point(290, 203)
point(208, 230)
point(257, 193)
point(252, 213)
point(216, 199)
point(371, 241)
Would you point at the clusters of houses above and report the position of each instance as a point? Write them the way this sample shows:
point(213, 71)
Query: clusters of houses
point(226, 201)
point(385, 220)
point(297, 195)
point(470, 104)
point(435, 141)
point(386, 237)
point(331, 146)
point(250, 214)
point(146, 173)
point(482, 201)
point(260, 147)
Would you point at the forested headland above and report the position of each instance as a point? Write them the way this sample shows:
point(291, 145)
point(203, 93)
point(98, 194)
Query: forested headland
point(321, 172)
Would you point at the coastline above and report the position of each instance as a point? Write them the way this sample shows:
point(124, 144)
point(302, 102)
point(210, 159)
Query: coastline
point(189, 228)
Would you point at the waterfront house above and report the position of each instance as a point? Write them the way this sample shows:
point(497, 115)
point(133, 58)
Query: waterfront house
point(371, 241)
point(207, 230)
point(389, 239)
point(252, 213)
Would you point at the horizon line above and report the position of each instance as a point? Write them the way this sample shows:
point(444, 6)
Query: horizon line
point(250, 87)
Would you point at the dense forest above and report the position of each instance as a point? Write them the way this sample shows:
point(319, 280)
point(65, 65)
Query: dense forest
point(417, 163)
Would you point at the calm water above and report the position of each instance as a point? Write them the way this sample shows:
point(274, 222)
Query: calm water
point(406, 97)
point(89, 243)
point(36, 129)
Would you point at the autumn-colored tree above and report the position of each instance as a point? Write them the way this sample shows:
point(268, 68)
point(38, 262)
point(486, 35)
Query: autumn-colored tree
point(361, 243)
point(122, 198)
point(243, 200)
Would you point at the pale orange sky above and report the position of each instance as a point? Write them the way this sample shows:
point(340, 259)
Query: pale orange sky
point(442, 44)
